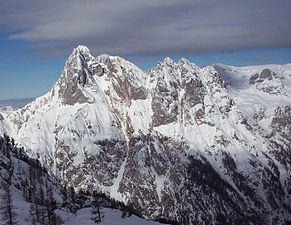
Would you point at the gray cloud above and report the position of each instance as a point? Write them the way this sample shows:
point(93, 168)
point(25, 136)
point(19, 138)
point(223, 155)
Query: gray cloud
point(149, 27)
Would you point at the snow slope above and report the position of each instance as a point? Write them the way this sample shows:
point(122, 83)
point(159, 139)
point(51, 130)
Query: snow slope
point(111, 217)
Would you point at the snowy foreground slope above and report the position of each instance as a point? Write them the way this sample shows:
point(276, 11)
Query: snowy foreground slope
point(180, 143)
point(111, 217)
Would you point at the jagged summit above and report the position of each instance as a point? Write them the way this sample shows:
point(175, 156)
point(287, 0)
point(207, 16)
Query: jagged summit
point(168, 60)
point(184, 61)
point(82, 53)
point(176, 140)
point(75, 76)
point(83, 48)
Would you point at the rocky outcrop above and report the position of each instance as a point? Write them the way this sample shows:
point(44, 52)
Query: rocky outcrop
point(267, 81)
point(281, 122)
point(75, 76)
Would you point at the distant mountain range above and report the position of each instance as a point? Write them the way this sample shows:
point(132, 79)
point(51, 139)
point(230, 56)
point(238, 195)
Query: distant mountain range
point(15, 103)
point(179, 143)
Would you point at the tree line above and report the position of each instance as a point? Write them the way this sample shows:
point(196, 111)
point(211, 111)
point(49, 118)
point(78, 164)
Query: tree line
point(38, 189)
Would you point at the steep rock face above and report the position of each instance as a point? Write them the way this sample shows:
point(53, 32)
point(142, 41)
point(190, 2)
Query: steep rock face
point(267, 81)
point(182, 143)
point(75, 77)
point(165, 94)
point(281, 135)
point(281, 122)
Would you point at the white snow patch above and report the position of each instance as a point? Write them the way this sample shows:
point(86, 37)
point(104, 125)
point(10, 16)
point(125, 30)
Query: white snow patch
point(111, 217)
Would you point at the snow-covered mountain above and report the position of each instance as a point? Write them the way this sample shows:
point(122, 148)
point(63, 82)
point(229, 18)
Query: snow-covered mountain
point(180, 143)
point(29, 195)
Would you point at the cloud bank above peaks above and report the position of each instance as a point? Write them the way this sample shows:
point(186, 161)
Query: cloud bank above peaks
point(152, 27)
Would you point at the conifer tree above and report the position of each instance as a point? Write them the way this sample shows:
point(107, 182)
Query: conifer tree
point(96, 215)
point(51, 205)
point(7, 208)
point(33, 214)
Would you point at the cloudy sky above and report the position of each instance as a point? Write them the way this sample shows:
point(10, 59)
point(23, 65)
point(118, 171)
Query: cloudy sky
point(37, 35)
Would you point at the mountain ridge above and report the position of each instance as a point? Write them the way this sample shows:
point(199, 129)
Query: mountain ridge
point(175, 135)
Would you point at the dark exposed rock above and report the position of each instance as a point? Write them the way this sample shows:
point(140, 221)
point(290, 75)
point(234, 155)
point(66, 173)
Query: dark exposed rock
point(225, 200)
point(194, 91)
point(164, 110)
point(104, 165)
point(266, 74)
point(98, 70)
point(73, 79)
point(268, 82)
point(281, 123)
point(122, 78)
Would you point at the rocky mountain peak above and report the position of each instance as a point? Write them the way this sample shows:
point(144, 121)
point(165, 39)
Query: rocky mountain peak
point(184, 62)
point(268, 82)
point(75, 77)
point(168, 61)
point(84, 51)
point(265, 74)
